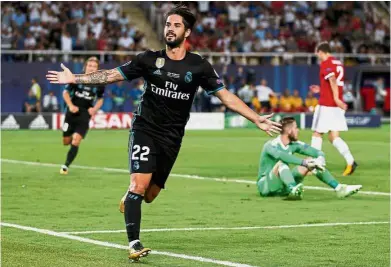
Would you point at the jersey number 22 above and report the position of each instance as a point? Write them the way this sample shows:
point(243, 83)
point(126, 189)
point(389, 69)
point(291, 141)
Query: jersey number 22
point(143, 154)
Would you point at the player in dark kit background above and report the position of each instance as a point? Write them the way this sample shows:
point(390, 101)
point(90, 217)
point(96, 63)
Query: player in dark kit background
point(172, 77)
point(80, 99)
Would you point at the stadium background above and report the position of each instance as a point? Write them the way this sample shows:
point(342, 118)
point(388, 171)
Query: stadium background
point(214, 176)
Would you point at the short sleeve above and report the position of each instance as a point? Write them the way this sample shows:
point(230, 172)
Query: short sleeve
point(133, 69)
point(100, 91)
point(210, 80)
point(328, 71)
point(69, 88)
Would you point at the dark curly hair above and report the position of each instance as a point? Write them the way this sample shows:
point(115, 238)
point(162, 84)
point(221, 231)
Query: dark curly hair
point(182, 10)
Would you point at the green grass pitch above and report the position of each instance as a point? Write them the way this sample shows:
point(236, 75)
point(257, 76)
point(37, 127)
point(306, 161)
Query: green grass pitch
point(87, 200)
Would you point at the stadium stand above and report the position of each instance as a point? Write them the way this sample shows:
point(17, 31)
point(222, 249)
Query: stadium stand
point(289, 28)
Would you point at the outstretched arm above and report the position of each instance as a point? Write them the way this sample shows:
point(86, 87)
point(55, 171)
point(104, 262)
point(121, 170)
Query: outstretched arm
point(234, 103)
point(100, 77)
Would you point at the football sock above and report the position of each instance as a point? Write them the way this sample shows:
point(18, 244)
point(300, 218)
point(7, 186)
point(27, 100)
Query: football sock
point(297, 175)
point(343, 149)
point(316, 142)
point(326, 177)
point(71, 155)
point(286, 176)
point(133, 215)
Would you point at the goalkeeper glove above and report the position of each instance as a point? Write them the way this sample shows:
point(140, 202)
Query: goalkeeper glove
point(313, 164)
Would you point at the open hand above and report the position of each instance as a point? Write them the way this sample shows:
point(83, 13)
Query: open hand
point(265, 124)
point(61, 77)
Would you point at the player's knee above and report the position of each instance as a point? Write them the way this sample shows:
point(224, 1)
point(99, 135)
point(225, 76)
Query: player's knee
point(138, 188)
point(75, 142)
point(333, 136)
point(282, 167)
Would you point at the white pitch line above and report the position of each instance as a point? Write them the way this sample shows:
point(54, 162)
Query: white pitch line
point(229, 228)
point(188, 176)
point(113, 245)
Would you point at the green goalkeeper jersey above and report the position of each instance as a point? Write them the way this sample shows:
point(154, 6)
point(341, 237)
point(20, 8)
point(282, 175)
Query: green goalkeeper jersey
point(274, 151)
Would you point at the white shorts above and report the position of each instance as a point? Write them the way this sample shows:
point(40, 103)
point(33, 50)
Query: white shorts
point(329, 119)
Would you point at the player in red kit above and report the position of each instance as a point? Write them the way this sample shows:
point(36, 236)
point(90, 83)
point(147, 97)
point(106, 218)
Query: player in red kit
point(329, 116)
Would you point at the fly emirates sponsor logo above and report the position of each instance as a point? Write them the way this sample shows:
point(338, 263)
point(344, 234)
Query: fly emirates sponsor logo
point(170, 91)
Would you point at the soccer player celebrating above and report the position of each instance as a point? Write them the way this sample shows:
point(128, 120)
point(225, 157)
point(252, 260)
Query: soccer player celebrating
point(329, 116)
point(79, 99)
point(172, 77)
point(275, 178)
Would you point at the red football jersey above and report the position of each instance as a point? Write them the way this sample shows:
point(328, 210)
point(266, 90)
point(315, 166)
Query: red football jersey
point(328, 68)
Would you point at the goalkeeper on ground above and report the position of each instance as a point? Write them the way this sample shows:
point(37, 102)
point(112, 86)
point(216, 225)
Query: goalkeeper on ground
point(275, 178)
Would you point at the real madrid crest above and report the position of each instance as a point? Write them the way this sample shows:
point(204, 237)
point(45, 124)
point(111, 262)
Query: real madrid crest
point(160, 62)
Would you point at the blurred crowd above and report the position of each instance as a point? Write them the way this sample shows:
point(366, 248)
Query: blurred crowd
point(279, 26)
point(120, 97)
point(68, 26)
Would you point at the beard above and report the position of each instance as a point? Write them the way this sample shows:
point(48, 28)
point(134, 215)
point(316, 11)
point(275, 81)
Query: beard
point(293, 138)
point(175, 41)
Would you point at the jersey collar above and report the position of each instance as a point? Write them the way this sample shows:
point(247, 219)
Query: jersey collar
point(281, 143)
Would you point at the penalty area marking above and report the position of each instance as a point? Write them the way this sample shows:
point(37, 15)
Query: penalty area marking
point(118, 246)
point(228, 228)
point(188, 176)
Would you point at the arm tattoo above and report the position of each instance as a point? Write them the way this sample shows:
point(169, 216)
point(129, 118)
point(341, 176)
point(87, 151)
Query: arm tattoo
point(99, 77)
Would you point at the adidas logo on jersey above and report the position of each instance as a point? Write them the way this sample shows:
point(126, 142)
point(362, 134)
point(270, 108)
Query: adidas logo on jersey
point(157, 72)
point(10, 123)
point(39, 123)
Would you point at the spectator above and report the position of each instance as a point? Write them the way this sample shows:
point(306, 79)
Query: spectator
point(118, 93)
point(209, 20)
point(380, 91)
point(96, 27)
point(286, 102)
point(348, 96)
point(252, 21)
point(66, 44)
point(274, 102)
point(77, 11)
point(336, 45)
point(6, 18)
point(30, 42)
point(35, 88)
point(203, 6)
point(246, 94)
point(50, 102)
point(296, 102)
point(35, 12)
point(125, 42)
point(123, 20)
point(90, 43)
point(82, 31)
point(263, 93)
point(6, 38)
point(31, 103)
point(136, 93)
point(19, 18)
point(36, 29)
point(113, 12)
point(267, 44)
point(380, 33)
point(311, 102)
point(234, 10)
